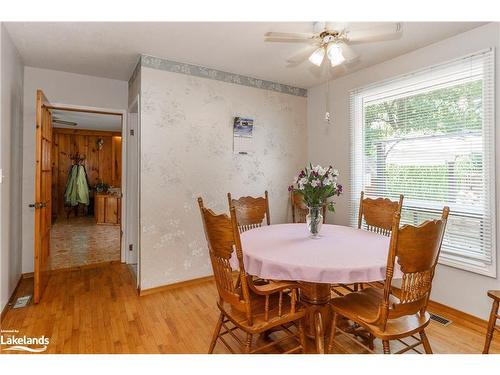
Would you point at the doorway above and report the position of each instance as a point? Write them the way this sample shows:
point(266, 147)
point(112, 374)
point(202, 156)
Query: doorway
point(86, 188)
point(82, 132)
point(133, 188)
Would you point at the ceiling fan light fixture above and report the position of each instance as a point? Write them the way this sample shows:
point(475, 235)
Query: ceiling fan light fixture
point(334, 52)
point(317, 56)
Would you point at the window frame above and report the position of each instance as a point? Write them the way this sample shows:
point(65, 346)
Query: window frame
point(420, 81)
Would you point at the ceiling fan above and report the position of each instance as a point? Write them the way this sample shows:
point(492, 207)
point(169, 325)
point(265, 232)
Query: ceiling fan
point(56, 120)
point(333, 40)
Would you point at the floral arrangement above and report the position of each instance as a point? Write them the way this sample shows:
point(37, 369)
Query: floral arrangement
point(316, 184)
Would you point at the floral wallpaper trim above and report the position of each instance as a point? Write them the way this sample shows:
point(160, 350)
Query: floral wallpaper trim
point(218, 75)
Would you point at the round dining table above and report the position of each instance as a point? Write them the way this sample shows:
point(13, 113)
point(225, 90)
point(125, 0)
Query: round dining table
point(340, 254)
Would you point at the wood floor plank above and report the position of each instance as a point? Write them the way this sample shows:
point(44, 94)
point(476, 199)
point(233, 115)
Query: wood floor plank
point(97, 310)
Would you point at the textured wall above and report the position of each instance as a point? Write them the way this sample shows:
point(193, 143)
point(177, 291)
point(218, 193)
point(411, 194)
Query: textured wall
point(11, 135)
point(186, 152)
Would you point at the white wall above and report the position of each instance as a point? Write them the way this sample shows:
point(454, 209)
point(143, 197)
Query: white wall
point(61, 88)
point(187, 151)
point(463, 290)
point(11, 79)
point(134, 84)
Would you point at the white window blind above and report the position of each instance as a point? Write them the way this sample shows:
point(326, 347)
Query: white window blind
point(430, 136)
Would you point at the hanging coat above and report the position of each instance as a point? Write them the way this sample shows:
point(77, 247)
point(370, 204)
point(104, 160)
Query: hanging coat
point(77, 188)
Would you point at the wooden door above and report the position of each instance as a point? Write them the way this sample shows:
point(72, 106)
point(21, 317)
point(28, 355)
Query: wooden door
point(43, 192)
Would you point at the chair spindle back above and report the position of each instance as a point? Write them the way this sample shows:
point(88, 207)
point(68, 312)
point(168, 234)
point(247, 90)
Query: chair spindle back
point(376, 215)
point(250, 211)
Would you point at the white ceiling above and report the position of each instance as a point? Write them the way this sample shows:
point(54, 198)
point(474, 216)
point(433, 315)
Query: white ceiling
point(111, 49)
point(89, 121)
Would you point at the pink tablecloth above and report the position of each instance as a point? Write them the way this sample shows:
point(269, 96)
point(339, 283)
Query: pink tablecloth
point(341, 255)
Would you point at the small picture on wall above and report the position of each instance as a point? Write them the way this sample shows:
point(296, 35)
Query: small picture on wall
point(242, 135)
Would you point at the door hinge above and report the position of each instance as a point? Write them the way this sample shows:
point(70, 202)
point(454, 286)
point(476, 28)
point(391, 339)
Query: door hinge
point(131, 131)
point(131, 247)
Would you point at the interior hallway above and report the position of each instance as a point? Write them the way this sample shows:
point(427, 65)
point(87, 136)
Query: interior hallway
point(79, 241)
point(97, 310)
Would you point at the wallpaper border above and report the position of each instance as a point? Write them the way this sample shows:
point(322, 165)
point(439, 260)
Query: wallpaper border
point(218, 75)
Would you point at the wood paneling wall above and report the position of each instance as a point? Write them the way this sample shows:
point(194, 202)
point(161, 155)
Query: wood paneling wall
point(101, 165)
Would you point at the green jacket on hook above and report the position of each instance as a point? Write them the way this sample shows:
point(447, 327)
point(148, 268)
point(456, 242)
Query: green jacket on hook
point(77, 188)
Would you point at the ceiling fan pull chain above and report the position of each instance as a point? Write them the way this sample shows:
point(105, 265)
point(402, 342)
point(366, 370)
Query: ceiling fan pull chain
point(328, 115)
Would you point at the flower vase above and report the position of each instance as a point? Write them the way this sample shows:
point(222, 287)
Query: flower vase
point(314, 220)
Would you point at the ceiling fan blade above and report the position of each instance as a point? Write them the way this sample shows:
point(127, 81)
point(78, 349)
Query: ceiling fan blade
point(301, 56)
point(273, 34)
point(288, 40)
point(375, 34)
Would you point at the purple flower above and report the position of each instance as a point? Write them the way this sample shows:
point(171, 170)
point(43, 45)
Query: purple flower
point(290, 188)
point(339, 189)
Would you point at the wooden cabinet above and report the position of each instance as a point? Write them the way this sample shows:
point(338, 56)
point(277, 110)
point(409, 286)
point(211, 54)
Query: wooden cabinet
point(108, 209)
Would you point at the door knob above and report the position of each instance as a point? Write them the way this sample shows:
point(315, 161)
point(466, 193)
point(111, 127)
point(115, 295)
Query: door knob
point(37, 205)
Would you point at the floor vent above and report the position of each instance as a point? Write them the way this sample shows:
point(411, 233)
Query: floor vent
point(22, 302)
point(440, 319)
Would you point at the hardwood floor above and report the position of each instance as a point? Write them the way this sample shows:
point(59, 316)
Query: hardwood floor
point(97, 310)
point(79, 241)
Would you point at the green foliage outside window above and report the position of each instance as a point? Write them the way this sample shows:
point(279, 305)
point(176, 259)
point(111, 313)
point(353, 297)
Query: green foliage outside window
point(442, 112)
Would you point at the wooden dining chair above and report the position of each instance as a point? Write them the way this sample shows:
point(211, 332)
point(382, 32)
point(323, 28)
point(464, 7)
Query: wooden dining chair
point(250, 211)
point(379, 311)
point(251, 309)
point(299, 208)
point(374, 215)
point(494, 315)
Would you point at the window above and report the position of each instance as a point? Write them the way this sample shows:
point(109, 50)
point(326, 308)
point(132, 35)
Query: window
point(430, 136)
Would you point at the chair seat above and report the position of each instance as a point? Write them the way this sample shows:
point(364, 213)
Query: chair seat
point(363, 306)
point(495, 294)
point(260, 324)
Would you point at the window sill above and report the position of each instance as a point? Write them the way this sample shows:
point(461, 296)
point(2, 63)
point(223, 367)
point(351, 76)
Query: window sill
point(469, 265)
